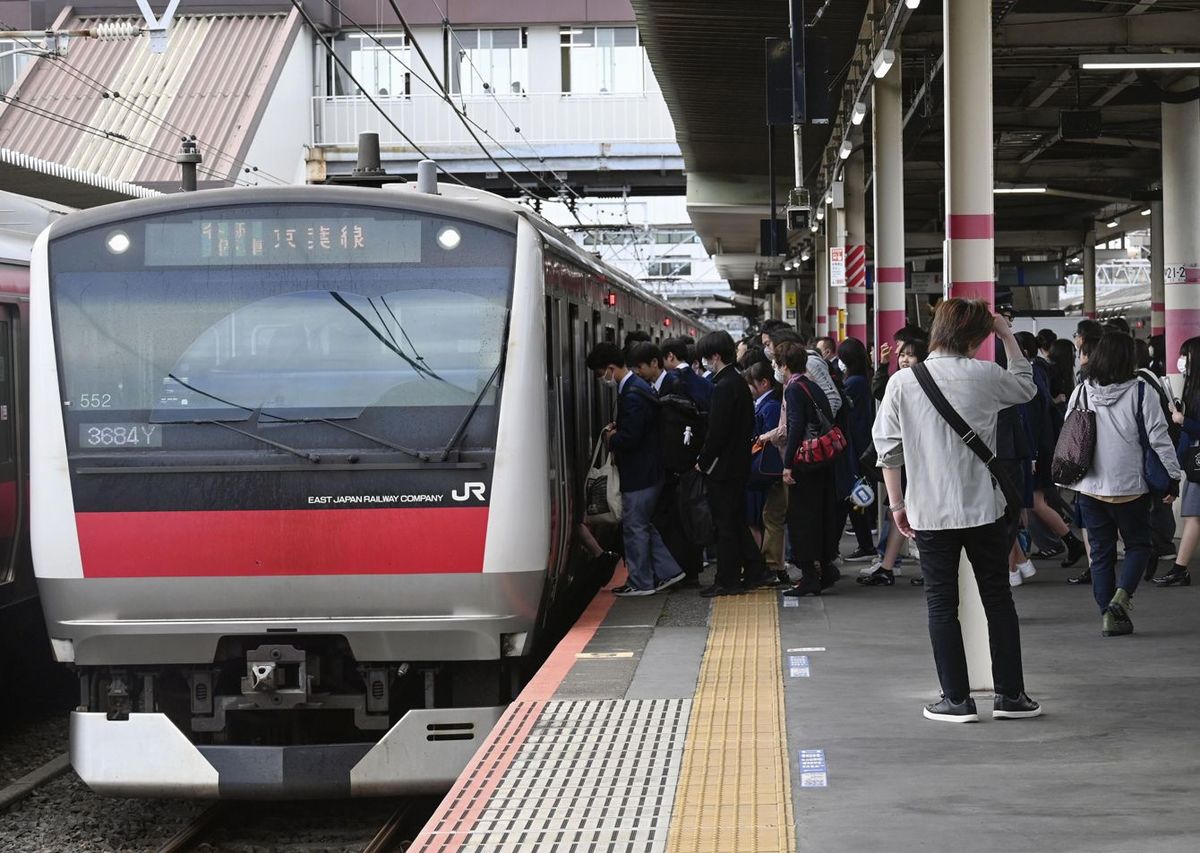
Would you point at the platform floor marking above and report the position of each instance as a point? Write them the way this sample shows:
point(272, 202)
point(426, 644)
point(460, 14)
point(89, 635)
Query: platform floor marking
point(735, 790)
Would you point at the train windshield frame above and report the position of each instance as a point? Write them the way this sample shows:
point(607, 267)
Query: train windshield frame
point(276, 313)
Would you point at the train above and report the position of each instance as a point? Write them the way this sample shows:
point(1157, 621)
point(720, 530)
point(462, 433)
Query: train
point(307, 476)
point(30, 685)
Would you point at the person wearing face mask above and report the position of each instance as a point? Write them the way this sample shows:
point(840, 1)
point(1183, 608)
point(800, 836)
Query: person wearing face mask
point(634, 441)
point(853, 358)
point(769, 503)
point(1188, 418)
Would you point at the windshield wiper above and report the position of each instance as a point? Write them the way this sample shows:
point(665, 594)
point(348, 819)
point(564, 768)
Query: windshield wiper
point(415, 365)
point(303, 454)
point(462, 427)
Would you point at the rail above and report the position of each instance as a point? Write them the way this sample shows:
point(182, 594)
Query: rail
point(551, 118)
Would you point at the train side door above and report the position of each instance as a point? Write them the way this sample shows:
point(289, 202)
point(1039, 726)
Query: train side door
point(12, 492)
point(561, 511)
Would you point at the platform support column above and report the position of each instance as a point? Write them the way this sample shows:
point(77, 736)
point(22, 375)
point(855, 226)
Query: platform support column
point(821, 274)
point(970, 229)
point(970, 221)
point(856, 240)
point(1181, 223)
point(835, 293)
point(888, 152)
point(1158, 324)
point(1089, 275)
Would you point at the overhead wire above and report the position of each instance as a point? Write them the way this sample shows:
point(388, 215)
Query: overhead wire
point(325, 42)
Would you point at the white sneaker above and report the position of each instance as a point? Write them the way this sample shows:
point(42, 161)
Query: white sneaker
point(632, 592)
point(1014, 577)
point(1026, 569)
point(877, 563)
point(912, 550)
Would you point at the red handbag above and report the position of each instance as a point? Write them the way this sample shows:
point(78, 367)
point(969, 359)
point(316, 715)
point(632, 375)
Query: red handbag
point(824, 442)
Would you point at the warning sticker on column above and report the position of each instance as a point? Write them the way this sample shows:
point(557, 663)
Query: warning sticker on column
point(813, 773)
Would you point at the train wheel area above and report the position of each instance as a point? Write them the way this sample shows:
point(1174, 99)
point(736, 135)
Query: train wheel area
point(763, 723)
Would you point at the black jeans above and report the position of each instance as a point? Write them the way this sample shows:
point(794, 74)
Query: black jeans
point(1103, 521)
point(987, 549)
point(1164, 529)
point(687, 554)
point(814, 518)
point(736, 548)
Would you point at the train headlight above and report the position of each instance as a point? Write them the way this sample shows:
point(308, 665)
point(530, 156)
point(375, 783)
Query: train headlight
point(449, 238)
point(118, 242)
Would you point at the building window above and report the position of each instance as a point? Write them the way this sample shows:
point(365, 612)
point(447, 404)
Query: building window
point(668, 269)
point(675, 238)
point(12, 65)
point(602, 60)
point(490, 61)
point(381, 67)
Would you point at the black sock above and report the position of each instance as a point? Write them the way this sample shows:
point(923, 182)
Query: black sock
point(1070, 540)
point(1178, 569)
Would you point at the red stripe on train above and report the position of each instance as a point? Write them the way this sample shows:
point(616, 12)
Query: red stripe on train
point(255, 543)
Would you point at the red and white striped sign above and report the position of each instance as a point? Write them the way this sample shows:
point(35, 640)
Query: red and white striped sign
point(856, 267)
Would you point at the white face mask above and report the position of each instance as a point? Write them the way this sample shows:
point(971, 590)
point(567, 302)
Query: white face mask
point(780, 376)
point(1182, 364)
point(704, 364)
point(769, 351)
point(841, 365)
point(610, 380)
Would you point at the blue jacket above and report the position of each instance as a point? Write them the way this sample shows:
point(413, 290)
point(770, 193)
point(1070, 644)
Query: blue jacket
point(766, 418)
point(635, 442)
point(862, 416)
point(696, 387)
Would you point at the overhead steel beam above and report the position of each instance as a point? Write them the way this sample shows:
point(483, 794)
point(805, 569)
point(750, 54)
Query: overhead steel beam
point(1071, 32)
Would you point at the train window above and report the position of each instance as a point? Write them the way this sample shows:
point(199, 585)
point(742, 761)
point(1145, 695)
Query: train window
point(10, 490)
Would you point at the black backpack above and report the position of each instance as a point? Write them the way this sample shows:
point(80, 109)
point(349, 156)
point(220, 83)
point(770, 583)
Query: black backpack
point(681, 430)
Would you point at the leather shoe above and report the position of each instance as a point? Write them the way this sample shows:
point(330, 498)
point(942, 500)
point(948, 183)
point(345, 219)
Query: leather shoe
point(716, 590)
point(1083, 577)
point(807, 586)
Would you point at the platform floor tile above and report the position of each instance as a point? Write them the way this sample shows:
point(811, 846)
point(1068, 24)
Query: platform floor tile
point(590, 776)
point(734, 792)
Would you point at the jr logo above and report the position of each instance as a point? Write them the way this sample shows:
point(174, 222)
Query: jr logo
point(470, 490)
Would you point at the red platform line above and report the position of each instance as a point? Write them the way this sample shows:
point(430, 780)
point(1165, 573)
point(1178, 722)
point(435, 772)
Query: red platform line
point(459, 811)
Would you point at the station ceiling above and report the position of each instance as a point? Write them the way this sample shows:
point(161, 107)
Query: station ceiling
point(708, 56)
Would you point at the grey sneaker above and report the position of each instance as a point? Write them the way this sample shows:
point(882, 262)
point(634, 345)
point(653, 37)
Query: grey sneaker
point(632, 592)
point(1116, 621)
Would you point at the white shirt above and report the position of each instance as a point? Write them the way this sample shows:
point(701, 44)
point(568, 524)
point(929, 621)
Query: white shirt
point(657, 383)
point(949, 487)
point(624, 379)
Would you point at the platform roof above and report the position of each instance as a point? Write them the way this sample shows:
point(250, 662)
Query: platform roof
point(709, 59)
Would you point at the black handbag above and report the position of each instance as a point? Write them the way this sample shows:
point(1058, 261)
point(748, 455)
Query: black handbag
point(1012, 498)
point(1158, 481)
point(868, 464)
point(1191, 463)
point(1076, 446)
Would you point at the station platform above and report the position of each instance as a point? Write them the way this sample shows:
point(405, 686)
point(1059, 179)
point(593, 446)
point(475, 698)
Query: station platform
point(759, 723)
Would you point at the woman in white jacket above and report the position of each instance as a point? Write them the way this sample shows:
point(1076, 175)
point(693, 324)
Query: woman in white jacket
point(1113, 496)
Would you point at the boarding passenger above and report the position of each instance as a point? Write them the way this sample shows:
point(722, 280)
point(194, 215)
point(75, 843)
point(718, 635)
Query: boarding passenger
point(812, 515)
point(1188, 417)
point(677, 358)
point(634, 441)
point(647, 362)
point(1115, 496)
point(768, 497)
point(1088, 342)
point(827, 347)
point(725, 462)
point(853, 361)
point(1045, 342)
point(951, 502)
point(632, 339)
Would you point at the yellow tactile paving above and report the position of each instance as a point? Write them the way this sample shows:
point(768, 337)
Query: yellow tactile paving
point(735, 790)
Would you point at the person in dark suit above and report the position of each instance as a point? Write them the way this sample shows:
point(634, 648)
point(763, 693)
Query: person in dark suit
point(677, 359)
point(725, 462)
point(634, 441)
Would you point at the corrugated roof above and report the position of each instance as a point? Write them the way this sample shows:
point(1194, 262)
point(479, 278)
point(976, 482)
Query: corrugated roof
point(212, 82)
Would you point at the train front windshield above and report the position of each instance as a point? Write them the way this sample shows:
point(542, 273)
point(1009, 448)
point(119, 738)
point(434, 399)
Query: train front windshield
point(379, 319)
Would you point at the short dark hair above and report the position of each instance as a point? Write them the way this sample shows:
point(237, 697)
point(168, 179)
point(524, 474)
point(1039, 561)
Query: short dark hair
point(604, 355)
point(634, 338)
point(784, 333)
point(717, 343)
point(1117, 324)
point(1088, 328)
point(960, 324)
point(760, 371)
point(1113, 360)
point(828, 340)
point(678, 347)
point(909, 332)
point(792, 355)
point(916, 347)
point(1143, 352)
point(644, 353)
point(769, 326)
point(853, 354)
point(1028, 344)
point(1045, 338)
point(1088, 343)
point(753, 355)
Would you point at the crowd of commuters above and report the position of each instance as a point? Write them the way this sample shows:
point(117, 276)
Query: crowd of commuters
point(798, 440)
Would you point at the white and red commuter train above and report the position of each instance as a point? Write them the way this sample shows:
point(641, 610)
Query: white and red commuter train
point(307, 469)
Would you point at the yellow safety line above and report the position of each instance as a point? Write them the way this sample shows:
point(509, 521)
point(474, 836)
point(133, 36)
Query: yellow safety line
point(735, 789)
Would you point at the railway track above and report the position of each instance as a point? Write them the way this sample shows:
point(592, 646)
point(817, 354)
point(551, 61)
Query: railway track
point(30, 782)
point(223, 823)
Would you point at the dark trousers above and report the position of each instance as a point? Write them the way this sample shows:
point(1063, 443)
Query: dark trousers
point(736, 548)
point(814, 518)
point(1164, 529)
point(987, 549)
point(687, 554)
point(1103, 522)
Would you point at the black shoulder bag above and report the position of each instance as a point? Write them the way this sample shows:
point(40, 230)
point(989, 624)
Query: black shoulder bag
point(1012, 497)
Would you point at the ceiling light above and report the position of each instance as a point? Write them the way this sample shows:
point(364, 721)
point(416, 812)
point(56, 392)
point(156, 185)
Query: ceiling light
point(805, 255)
point(1146, 212)
point(1114, 223)
point(813, 228)
point(846, 150)
point(858, 113)
point(884, 62)
point(829, 197)
point(820, 213)
point(1130, 61)
point(912, 4)
point(1013, 190)
point(756, 281)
